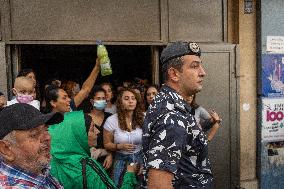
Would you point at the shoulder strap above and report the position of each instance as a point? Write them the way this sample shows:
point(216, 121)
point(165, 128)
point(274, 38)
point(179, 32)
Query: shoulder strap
point(96, 168)
point(84, 163)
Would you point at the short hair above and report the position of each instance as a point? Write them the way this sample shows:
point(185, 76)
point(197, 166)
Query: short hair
point(25, 72)
point(22, 78)
point(176, 63)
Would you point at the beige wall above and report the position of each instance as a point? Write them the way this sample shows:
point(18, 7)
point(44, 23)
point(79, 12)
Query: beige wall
point(248, 127)
point(3, 70)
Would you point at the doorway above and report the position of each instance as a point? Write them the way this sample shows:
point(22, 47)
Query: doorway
point(75, 62)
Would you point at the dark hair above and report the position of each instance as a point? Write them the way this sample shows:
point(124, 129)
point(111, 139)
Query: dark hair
point(157, 87)
point(51, 93)
point(25, 72)
point(107, 83)
point(95, 90)
point(176, 63)
point(88, 121)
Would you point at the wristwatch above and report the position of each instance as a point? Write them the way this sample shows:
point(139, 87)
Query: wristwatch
point(218, 121)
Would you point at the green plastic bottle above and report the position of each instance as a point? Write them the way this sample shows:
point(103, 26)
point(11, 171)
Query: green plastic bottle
point(104, 59)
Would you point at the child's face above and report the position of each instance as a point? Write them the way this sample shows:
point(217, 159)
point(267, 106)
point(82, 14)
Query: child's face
point(24, 87)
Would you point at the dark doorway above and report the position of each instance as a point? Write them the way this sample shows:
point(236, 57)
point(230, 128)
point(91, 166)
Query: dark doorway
point(75, 62)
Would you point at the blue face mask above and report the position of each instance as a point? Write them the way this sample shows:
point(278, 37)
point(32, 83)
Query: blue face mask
point(100, 104)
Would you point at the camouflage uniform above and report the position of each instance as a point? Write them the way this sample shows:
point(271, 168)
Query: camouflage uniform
point(173, 142)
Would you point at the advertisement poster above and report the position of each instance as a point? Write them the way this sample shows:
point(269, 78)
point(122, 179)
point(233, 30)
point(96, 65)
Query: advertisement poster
point(272, 119)
point(273, 75)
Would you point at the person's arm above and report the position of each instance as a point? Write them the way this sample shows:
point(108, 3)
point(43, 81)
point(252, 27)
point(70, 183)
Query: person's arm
point(159, 179)
point(216, 120)
point(87, 85)
point(109, 145)
point(212, 132)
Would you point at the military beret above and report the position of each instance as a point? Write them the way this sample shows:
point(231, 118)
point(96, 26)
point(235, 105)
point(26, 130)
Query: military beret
point(178, 49)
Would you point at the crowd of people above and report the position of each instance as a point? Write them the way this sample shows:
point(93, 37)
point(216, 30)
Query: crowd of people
point(138, 136)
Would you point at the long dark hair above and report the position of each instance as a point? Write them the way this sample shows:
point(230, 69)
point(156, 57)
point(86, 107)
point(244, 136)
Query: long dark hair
point(51, 93)
point(138, 116)
point(157, 87)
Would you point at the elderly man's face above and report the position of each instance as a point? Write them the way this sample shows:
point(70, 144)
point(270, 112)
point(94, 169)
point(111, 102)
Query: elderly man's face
point(32, 149)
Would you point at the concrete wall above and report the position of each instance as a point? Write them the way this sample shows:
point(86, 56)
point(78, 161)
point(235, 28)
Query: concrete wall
point(3, 70)
point(248, 68)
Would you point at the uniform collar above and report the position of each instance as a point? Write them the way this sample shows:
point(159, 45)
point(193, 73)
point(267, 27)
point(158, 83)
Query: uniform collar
point(177, 99)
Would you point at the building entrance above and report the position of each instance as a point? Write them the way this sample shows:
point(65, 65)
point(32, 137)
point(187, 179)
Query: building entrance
point(75, 62)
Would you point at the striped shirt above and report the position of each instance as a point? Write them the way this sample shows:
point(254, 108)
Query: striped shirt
point(13, 178)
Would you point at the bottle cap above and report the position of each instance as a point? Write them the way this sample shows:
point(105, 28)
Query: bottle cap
point(99, 42)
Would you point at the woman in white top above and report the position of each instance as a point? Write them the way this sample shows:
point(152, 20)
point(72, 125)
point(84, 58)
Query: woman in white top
point(123, 133)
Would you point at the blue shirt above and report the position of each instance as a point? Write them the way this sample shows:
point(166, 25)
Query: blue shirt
point(173, 142)
point(14, 177)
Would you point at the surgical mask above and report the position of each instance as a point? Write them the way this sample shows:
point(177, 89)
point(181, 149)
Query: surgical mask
point(24, 98)
point(100, 104)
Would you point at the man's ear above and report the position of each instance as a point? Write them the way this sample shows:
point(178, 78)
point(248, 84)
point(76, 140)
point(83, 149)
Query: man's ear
point(5, 151)
point(173, 74)
point(14, 91)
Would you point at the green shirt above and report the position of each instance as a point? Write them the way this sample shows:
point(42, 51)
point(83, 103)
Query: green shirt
point(69, 146)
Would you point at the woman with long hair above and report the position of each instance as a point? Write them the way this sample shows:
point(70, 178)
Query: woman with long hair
point(123, 133)
point(150, 92)
point(71, 161)
point(111, 108)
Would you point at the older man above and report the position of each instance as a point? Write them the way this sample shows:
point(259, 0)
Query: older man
point(175, 148)
point(25, 146)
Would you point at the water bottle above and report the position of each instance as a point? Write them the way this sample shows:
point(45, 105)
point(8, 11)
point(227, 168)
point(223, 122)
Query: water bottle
point(104, 59)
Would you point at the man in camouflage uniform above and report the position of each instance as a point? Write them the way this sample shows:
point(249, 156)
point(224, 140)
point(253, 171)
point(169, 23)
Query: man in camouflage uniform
point(175, 148)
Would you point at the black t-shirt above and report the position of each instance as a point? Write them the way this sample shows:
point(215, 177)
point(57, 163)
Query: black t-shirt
point(100, 140)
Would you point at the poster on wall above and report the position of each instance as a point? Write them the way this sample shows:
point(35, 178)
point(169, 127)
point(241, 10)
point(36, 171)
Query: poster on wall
point(272, 75)
point(272, 119)
point(275, 44)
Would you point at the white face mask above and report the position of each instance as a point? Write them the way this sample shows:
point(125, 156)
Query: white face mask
point(100, 104)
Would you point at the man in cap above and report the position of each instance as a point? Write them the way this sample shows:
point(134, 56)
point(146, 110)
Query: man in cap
point(25, 146)
point(175, 148)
